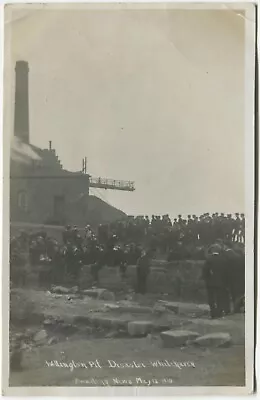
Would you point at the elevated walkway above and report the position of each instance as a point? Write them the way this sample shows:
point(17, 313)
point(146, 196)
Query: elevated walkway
point(103, 183)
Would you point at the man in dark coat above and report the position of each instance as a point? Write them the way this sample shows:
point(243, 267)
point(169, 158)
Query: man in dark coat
point(213, 276)
point(234, 270)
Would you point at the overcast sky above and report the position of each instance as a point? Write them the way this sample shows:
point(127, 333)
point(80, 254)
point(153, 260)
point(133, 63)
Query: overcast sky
point(156, 97)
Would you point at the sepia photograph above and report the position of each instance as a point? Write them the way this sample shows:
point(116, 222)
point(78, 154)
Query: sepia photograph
point(128, 198)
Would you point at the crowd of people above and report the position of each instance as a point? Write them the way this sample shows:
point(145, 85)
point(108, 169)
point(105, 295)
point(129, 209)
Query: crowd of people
point(76, 249)
point(182, 238)
point(218, 239)
point(203, 230)
point(179, 239)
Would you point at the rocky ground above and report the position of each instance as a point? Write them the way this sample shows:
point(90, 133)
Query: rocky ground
point(67, 337)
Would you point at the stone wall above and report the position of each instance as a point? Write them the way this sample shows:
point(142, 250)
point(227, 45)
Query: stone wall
point(51, 230)
point(182, 280)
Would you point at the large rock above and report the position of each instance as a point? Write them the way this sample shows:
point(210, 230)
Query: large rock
point(60, 290)
point(177, 338)
point(174, 307)
point(217, 339)
point(100, 294)
point(40, 337)
point(139, 328)
point(159, 309)
point(188, 309)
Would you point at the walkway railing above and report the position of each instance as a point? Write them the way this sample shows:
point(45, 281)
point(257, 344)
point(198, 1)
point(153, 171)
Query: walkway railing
point(113, 184)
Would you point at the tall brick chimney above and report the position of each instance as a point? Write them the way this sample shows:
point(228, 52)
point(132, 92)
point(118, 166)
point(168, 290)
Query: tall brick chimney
point(21, 113)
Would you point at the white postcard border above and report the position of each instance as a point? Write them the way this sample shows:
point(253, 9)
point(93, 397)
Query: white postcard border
point(249, 173)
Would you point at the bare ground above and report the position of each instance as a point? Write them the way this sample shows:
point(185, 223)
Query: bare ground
point(209, 367)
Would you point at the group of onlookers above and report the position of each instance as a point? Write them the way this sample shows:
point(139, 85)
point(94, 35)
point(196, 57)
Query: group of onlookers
point(218, 239)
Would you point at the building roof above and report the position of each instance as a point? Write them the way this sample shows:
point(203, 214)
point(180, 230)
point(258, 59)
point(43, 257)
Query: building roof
point(25, 156)
point(24, 153)
point(100, 212)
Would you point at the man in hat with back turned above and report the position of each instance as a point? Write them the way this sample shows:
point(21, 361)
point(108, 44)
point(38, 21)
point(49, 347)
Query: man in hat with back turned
point(142, 270)
point(213, 276)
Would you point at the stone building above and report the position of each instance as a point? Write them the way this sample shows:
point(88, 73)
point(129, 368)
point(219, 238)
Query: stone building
point(41, 190)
